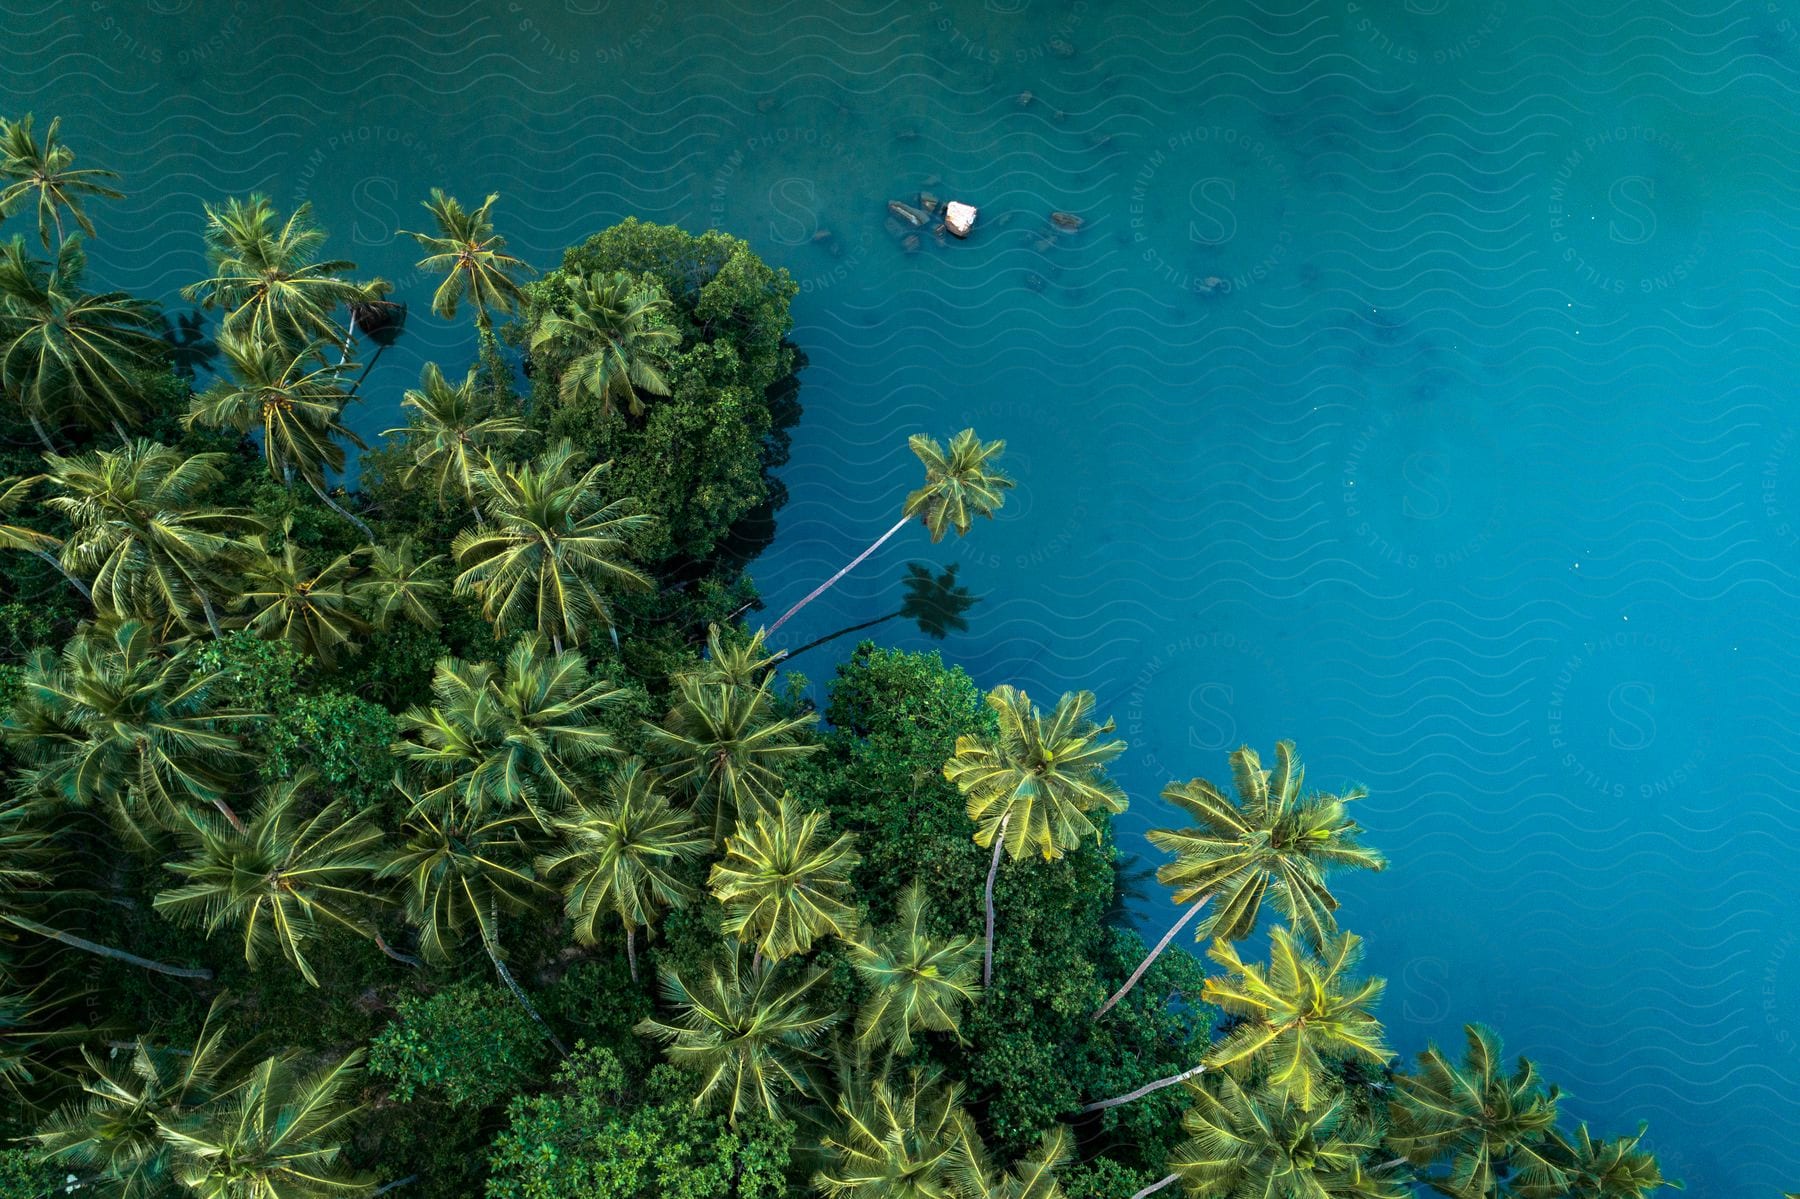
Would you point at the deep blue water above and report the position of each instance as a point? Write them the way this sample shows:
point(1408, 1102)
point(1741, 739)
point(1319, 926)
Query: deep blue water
point(1478, 473)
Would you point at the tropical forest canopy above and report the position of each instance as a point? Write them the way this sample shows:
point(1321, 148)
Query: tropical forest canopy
point(459, 832)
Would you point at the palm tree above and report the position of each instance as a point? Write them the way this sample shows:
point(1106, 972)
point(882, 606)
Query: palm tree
point(142, 531)
point(552, 543)
point(116, 722)
point(1600, 1169)
point(472, 258)
point(959, 486)
point(312, 610)
point(1038, 780)
point(400, 583)
point(111, 1139)
point(782, 885)
point(294, 398)
point(619, 336)
point(452, 432)
point(277, 1134)
point(915, 981)
point(13, 494)
point(268, 279)
point(726, 745)
point(736, 661)
point(1274, 838)
point(620, 856)
point(1493, 1128)
point(498, 737)
point(1031, 1177)
point(895, 1139)
point(64, 351)
point(1297, 1013)
point(1252, 1146)
point(748, 1032)
point(276, 877)
point(27, 852)
point(460, 866)
point(41, 172)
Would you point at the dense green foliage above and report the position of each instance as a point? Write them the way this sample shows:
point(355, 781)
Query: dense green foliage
point(473, 773)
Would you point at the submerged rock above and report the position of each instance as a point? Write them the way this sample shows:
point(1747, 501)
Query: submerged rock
point(959, 218)
point(1068, 222)
point(907, 213)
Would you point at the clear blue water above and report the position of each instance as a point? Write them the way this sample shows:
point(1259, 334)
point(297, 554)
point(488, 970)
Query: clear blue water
point(1478, 473)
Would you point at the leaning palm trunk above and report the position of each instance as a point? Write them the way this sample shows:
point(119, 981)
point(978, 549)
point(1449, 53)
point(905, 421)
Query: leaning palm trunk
point(1156, 1186)
point(512, 984)
point(1144, 1090)
point(105, 951)
point(343, 512)
point(74, 582)
point(631, 951)
point(1193, 910)
point(987, 961)
point(828, 584)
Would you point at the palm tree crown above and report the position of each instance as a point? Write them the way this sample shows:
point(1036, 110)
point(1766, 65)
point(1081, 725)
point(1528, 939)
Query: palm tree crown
point(726, 746)
point(619, 855)
point(1490, 1125)
point(64, 351)
point(1298, 1012)
point(1247, 1145)
point(959, 485)
point(499, 736)
point(1032, 786)
point(273, 879)
point(551, 546)
point(289, 600)
point(115, 721)
point(747, 1031)
point(900, 1138)
point(618, 336)
point(277, 1134)
point(782, 884)
point(916, 981)
point(141, 530)
point(292, 396)
point(268, 278)
point(41, 172)
point(451, 432)
point(1272, 839)
point(471, 257)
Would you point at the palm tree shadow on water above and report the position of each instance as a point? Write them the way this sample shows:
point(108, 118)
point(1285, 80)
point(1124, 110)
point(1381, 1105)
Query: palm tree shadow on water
point(935, 602)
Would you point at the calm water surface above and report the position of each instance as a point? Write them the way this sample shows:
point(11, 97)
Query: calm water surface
point(1476, 469)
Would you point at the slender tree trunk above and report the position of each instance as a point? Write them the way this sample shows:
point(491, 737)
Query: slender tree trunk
point(848, 629)
point(512, 984)
point(381, 944)
point(346, 514)
point(1144, 1090)
point(212, 618)
point(393, 1186)
point(349, 339)
point(231, 817)
point(1148, 1191)
point(350, 392)
point(556, 642)
point(987, 961)
point(74, 582)
point(105, 951)
point(631, 951)
point(827, 585)
point(37, 427)
point(1193, 910)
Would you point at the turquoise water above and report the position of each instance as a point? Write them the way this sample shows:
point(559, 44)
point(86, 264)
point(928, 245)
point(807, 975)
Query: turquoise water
point(1477, 471)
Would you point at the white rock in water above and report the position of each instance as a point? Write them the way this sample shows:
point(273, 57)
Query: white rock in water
point(959, 218)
